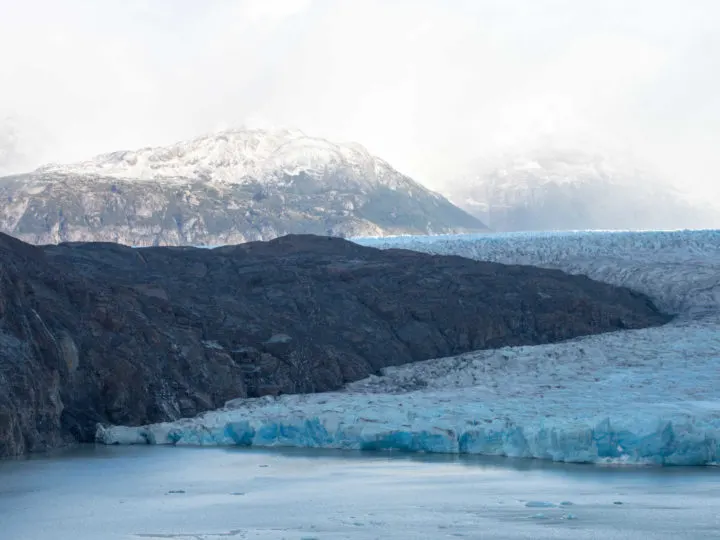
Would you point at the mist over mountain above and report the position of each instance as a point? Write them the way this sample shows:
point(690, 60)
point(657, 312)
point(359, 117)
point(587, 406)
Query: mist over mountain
point(571, 189)
point(229, 187)
point(21, 143)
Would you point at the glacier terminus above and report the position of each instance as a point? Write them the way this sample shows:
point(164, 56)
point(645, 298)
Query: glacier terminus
point(649, 396)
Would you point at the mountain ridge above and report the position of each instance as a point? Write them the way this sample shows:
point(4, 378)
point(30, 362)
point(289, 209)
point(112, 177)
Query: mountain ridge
point(228, 187)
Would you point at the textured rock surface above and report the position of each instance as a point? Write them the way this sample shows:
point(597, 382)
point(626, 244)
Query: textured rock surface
point(105, 333)
point(226, 188)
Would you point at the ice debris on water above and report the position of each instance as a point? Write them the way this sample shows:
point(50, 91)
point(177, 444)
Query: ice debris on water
point(539, 504)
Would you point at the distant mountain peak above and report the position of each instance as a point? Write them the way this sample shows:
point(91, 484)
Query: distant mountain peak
point(561, 189)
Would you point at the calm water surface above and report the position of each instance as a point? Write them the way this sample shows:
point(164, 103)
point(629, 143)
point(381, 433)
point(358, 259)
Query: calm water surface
point(97, 493)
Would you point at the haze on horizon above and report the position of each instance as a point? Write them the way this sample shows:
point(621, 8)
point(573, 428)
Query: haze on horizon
point(429, 85)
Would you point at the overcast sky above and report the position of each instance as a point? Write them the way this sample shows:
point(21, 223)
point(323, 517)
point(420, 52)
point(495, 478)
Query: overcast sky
point(427, 84)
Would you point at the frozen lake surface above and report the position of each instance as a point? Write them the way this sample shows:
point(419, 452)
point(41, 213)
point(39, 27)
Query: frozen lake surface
point(143, 492)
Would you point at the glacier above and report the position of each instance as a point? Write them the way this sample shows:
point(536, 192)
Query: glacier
point(648, 396)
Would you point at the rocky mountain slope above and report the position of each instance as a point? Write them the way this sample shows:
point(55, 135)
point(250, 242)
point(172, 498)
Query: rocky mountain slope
point(103, 333)
point(572, 190)
point(225, 188)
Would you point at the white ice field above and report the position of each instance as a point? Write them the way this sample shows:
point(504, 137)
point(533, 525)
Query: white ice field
point(638, 397)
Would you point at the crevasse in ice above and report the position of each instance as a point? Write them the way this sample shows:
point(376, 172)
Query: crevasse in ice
point(642, 396)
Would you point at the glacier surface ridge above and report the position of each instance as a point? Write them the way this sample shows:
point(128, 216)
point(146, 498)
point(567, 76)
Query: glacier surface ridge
point(648, 396)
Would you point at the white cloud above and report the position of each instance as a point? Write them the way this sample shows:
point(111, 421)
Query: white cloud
point(427, 84)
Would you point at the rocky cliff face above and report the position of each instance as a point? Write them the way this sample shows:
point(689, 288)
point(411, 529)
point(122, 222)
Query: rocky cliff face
point(102, 333)
point(225, 188)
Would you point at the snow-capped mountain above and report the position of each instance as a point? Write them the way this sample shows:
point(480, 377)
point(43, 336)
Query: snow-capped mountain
point(228, 187)
point(570, 190)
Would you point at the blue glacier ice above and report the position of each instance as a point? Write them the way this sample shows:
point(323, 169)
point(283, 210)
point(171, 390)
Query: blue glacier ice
point(648, 396)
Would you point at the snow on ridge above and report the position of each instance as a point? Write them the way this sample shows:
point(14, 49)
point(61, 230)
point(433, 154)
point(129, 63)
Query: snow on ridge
point(234, 156)
point(648, 396)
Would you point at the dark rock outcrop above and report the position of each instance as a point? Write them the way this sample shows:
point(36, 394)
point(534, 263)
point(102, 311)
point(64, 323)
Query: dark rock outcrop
point(105, 333)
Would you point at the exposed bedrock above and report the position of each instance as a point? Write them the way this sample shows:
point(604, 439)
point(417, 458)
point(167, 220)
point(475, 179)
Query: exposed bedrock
point(101, 333)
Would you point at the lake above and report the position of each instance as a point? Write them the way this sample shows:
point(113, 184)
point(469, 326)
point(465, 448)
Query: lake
point(139, 492)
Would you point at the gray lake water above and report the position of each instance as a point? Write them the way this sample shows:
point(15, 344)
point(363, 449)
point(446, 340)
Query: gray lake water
point(96, 493)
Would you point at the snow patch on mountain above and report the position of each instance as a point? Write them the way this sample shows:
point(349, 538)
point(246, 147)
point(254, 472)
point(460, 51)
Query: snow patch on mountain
point(236, 157)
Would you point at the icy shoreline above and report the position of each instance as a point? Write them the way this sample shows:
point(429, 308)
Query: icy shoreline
point(648, 396)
